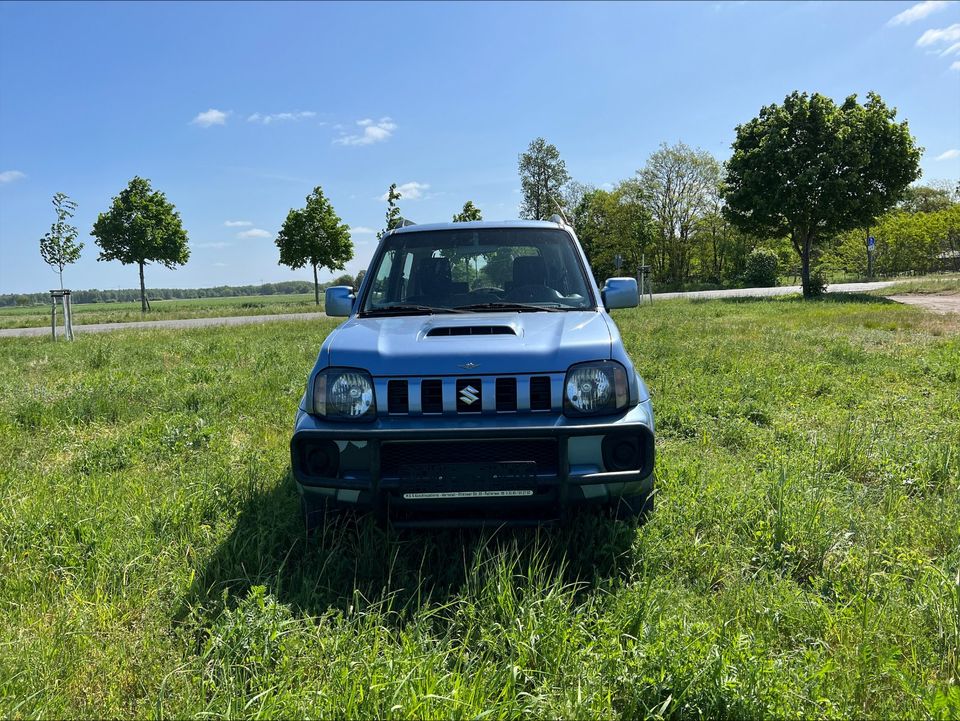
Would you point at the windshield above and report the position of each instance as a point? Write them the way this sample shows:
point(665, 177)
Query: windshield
point(486, 269)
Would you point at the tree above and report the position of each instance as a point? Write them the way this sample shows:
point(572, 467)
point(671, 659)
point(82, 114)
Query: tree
point(393, 217)
point(810, 169)
point(359, 279)
point(141, 227)
point(612, 223)
point(542, 178)
point(677, 183)
point(470, 212)
point(59, 247)
point(927, 198)
point(314, 235)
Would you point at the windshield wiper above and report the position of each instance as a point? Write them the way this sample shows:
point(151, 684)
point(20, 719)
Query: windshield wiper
point(407, 310)
point(518, 307)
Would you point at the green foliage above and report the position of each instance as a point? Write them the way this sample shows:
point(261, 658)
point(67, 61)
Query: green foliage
point(314, 235)
point(393, 216)
point(802, 560)
point(905, 242)
point(141, 227)
point(543, 175)
point(679, 185)
point(469, 213)
point(928, 198)
point(59, 247)
point(810, 169)
point(762, 269)
point(614, 223)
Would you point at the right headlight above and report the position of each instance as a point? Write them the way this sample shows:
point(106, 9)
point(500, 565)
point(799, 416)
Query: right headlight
point(344, 394)
point(593, 389)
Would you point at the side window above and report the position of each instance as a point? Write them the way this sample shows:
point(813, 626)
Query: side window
point(378, 291)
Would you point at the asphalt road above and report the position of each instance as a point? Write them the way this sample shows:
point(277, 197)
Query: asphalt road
point(247, 319)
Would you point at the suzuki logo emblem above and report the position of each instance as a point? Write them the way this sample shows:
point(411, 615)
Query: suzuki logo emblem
point(469, 395)
point(469, 366)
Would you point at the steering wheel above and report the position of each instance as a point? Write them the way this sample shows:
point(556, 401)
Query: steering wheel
point(533, 293)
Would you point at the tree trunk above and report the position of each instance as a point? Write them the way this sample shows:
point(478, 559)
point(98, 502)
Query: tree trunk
point(143, 291)
point(316, 285)
point(808, 291)
point(61, 277)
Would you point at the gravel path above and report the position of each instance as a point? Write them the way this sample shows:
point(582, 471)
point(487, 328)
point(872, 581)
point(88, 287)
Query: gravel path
point(941, 304)
point(141, 324)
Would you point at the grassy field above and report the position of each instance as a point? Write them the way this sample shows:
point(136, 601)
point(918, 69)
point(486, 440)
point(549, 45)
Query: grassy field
point(803, 559)
point(37, 316)
point(948, 284)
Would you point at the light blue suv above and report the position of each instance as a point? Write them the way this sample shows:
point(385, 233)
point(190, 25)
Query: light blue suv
point(478, 379)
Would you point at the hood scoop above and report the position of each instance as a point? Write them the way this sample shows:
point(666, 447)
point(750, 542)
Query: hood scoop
point(471, 330)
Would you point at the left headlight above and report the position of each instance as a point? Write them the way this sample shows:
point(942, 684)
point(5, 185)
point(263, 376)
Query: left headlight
point(344, 394)
point(592, 389)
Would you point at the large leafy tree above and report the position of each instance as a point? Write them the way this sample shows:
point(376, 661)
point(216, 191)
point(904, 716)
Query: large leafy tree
point(543, 175)
point(314, 235)
point(470, 212)
point(141, 227)
point(810, 169)
point(59, 247)
point(677, 184)
point(612, 223)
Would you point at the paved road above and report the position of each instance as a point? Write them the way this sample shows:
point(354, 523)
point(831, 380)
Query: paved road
point(182, 323)
point(779, 290)
point(245, 319)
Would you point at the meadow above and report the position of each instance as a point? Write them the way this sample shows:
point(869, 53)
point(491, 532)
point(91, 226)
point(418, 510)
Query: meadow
point(33, 316)
point(803, 558)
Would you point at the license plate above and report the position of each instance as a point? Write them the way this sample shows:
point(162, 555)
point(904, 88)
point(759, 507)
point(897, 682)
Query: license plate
point(466, 494)
point(461, 472)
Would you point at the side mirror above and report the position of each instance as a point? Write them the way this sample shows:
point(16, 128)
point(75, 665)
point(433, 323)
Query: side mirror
point(620, 293)
point(338, 300)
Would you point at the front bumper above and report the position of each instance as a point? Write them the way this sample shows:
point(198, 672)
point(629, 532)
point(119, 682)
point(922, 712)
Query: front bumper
point(364, 476)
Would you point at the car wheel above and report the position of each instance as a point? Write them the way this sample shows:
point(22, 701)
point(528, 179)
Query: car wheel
point(638, 507)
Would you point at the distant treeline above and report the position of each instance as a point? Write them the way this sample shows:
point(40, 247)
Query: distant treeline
point(95, 295)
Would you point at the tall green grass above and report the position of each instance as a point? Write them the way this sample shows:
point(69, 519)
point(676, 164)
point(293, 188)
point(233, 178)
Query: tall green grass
point(85, 313)
point(803, 558)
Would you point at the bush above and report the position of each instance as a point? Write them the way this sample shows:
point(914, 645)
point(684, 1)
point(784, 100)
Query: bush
point(762, 268)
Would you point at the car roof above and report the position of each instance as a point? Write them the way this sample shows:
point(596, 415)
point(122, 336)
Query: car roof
point(477, 224)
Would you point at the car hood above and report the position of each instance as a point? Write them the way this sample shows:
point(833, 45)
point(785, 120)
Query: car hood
point(439, 344)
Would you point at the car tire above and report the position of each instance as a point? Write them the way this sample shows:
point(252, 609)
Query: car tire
point(314, 514)
point(630, 508)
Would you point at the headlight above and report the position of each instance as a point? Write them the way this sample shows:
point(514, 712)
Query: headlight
point(592, 389)
point(345, 394)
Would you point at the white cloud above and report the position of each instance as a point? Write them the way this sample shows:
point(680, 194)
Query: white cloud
point(237, 223)
point(955, 65)
point(373, 132)
point(952, 50)
point(409, 191)
point(255, 233)
point(940, 35)
point(361, 230)
point(918, 12)
point(8, 176)
point(949, 154)
point(210, 117)
point(266, 119)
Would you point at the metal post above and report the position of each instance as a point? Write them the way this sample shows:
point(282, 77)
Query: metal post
point(68, 314)
point(53, 316)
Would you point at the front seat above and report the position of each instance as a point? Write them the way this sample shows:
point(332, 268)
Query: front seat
point(434, 277)
point(529, 270)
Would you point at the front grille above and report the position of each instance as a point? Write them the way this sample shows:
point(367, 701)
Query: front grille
point(431, 396)
point(506, 395)
point(469, 395)
point(542, 451)
point(398, 397)
point(540, 393)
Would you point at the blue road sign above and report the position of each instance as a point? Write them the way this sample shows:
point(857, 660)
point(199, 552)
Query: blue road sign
point(871, 242)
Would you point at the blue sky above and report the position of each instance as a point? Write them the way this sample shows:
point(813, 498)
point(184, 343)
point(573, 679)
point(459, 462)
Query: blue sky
point(236, 110)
